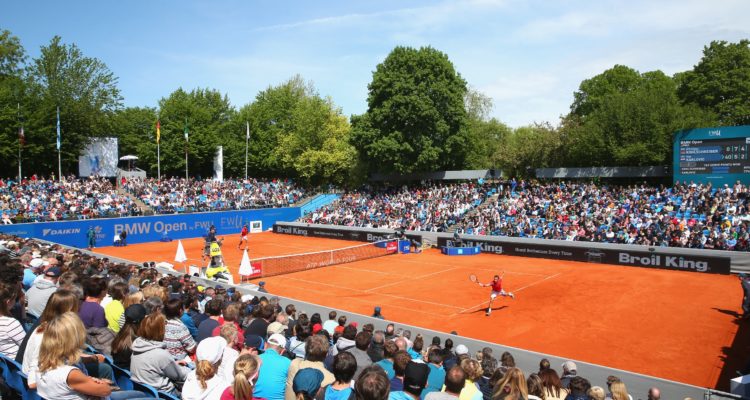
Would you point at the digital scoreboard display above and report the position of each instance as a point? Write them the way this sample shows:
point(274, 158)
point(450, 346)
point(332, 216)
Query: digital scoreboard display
point(714, 156)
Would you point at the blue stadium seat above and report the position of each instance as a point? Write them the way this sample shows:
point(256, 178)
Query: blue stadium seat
point(122, 377)
point(167, 396)
point(147, 389)
point(16, 379)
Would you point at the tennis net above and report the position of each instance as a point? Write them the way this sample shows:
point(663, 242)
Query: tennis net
point(270, 266)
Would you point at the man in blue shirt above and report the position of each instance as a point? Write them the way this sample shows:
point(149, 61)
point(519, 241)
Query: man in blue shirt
point(437, 374)
point(272, 378)
point(389, 350)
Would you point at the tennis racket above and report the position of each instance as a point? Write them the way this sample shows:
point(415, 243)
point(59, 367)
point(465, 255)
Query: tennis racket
point(473, 278)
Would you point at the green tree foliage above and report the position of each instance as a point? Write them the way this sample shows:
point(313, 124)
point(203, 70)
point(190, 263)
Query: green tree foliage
point(416, 117)
point(86, 92)
point(12, 58)
point(485, 135)
point(135, 128)
point(720, 82)
point(533, 146)
point(207, 114)
point(622, 117)
point(296, 133)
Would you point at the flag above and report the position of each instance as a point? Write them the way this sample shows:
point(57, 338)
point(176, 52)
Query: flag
point(58, 128)
point(186, 130)
point(245, 268)
point(180, 256)
point(158, 131)
point(248, 130)
point(21, 136)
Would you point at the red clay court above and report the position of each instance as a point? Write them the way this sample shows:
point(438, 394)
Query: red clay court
point(670, 324)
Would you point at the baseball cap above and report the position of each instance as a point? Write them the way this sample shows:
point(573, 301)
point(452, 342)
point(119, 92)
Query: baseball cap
point(275, 327)
point(255, 342)
point(277, 339)
point(415, 377)
point(135, 313)
point(569, 366)
point(36, 263)
point(317, 328)
point(261, 283)
point(461, 349)
point(246, 297)
point(53, 272)
point(307, 380)
point(211, 349)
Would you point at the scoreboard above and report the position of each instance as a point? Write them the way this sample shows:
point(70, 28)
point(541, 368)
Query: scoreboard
point(712, 155)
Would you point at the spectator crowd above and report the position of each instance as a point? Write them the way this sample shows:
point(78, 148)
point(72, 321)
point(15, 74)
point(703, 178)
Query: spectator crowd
point(178, 195)
point(428, 207)
point(75, 323)
point(684, 215)
point(39, 199)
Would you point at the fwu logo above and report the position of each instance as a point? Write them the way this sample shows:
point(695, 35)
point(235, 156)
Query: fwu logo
point(55, 232)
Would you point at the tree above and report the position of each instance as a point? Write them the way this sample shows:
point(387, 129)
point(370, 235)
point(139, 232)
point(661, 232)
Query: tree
point(206, 114)
point(629, 123)
point(485, 135)
point(85, 91)
point(13, 106)
point(135, 128)
point(720, 82)
point(593, 93)
point(297, 133)
point(416, 117)
point(532, 146)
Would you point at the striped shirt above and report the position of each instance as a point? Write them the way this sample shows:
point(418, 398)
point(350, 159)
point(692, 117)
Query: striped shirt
point(177, 339)
point(11, 336)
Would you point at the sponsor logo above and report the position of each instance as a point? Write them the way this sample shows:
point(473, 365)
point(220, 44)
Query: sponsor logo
point(715, 132)
point(67, 231)
point(391, 247)
point(142, 228)
point(655, 260)
point(376, 238)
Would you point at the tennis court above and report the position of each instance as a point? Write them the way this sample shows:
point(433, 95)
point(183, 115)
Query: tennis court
point(671, 324)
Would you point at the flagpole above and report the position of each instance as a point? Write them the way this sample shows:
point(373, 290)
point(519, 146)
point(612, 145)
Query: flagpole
point(247, 141)
point(20, 177)
point(158, 162)
point(186, 148)
point(59, 159)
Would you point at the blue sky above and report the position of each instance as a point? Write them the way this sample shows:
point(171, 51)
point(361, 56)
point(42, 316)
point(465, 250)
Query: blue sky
point(529, 56)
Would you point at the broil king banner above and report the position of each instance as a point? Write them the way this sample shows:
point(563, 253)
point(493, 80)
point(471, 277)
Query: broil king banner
point(663, 258)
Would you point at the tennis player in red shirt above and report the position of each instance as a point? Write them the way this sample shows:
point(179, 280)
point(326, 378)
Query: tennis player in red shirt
point(497, 290)
point(243, 237)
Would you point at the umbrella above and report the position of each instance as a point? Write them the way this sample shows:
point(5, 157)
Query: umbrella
point(128, 158)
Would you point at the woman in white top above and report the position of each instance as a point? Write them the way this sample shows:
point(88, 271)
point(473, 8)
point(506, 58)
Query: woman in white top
point(11, 331)
point(59, 303)
point(206, 383)
point(59, 376)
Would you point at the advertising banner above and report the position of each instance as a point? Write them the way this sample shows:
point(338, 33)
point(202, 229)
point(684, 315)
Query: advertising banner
point(333, 232)
point(663, 259)
point(150, 229)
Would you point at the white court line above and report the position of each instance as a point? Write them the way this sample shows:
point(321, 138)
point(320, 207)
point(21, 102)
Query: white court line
point(379, 294)
point(367, 270)
point(514, 292)
point(370, 303)
point(472, 268)
point(401, 281)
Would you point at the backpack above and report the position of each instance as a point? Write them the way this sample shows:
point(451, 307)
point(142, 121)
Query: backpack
point(290, 350)
point(330, 356)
